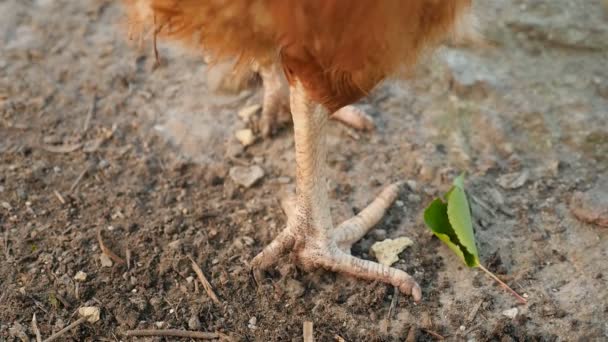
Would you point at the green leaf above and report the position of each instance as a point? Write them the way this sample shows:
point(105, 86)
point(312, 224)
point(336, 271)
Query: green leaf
point(451, 223)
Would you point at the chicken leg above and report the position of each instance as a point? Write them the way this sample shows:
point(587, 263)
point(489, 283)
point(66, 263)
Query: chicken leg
point(275, 108)
point(310, 234)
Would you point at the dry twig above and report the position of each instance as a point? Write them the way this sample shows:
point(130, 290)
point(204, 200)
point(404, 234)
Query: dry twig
point(66, 329)
point(105, 250)
point(90, 113)
point(434, 334)
point(473, 312)
point(174, 333)
point(80, 177)
point(204, 281)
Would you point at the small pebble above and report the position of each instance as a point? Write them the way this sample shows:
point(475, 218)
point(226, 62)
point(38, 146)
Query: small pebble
point(194, 323)
point(252, 323)
point(246, 176)
point(511, 313)
point(105, 260)
point(80, 276)
point(387, 251)
point(91, 312)
point(245, 137)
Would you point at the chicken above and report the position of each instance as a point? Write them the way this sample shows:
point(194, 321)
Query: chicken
point(332, 53)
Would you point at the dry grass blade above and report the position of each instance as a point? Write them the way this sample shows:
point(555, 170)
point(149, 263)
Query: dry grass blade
point(105, 250)
point(307, 332)
point(174, 333)
point(59, 197)
point(204, 281)
point(66, 148)
point(35, 329)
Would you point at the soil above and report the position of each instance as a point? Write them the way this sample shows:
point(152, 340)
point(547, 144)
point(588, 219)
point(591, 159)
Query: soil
point(94, 137)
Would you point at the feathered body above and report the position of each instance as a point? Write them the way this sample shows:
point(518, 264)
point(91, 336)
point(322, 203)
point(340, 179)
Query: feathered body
point(338, 49)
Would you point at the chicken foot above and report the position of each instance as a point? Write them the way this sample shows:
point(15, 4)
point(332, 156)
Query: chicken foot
point(310, 235)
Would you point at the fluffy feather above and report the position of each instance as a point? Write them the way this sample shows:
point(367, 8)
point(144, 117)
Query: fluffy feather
point(338, 49)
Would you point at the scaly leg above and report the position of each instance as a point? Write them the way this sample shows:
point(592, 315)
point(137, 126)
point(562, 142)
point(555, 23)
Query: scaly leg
point(275, 108)
point(310, 235)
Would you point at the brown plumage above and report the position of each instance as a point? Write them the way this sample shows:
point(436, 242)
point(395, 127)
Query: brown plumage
point(332, 52)
point(338, 49)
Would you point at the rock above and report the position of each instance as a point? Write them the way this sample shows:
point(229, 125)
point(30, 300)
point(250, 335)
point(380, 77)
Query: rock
point(105, 260)
point(247, 112)
point(245, 137)
point(194, 323)
point(511, 313)
point(91, 312)
point(591, 206)
point(246, 176)
point(80, 276)
point(513, 180)
point(387, 251)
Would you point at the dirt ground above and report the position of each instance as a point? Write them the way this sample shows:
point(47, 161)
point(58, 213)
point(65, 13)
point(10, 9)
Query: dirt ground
point(95, 138)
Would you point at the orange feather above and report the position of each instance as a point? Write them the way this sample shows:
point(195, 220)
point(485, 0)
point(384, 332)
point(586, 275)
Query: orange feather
point(338, 49)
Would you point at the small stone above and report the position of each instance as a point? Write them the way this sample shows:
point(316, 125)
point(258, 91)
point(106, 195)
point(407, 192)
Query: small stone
point(591, 206)
point(246, 176)
point(513, 180)
point(194, 323)
point(189, 279)
point(412, 184)
point(462, 328)
point(6, 205)
point(245, 137)
point(247, 112)
point(511, 313)
point(105, 260)
point(91, 312)
point(252, 323)
point(80, 276)
point(387, 251)
point(294, 288)
point(18, 331)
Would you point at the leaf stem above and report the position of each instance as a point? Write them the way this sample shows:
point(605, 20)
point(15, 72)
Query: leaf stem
point(505, 286)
